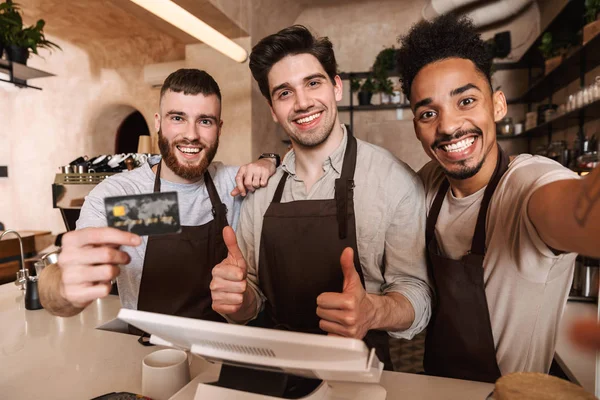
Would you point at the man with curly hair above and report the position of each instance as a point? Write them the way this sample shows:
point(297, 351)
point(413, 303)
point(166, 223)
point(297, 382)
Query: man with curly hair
point(503, 240)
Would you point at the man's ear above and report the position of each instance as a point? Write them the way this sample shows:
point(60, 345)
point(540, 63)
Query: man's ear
point(157, 122)
point(500, 107)
point(220, 127)
point(338, 88)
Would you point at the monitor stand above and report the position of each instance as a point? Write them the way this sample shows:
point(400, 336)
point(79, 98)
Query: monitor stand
point(246, 383)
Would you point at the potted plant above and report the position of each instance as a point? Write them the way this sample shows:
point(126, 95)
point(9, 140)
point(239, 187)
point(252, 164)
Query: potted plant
point(21, 41)
point(549, 52)
point(385, 62)
point(592, 27)
point(366, 91)
point(385, 87)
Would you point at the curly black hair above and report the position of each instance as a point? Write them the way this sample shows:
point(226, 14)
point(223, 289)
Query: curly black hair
point(293, 40)
point(446, 36)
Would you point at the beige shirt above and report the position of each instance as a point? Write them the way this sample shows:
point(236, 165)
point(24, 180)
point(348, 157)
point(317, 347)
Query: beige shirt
point(389, 204)
point(526, 284)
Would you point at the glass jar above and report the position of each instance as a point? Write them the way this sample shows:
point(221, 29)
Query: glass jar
point(505, 126)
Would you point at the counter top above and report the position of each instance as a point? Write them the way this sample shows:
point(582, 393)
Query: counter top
point(43, 356)
point(578, 364)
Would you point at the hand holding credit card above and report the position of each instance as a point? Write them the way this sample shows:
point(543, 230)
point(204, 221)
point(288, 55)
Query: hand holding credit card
point(144, 214)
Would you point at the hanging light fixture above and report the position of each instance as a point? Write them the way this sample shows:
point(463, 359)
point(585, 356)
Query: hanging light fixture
point(193, 26)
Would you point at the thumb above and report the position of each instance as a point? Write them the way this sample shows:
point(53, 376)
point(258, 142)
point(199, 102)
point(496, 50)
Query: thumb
point(232, 245)
point(235, 192)
point(351, 278)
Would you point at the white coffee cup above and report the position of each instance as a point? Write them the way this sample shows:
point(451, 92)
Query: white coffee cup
point(164, 372)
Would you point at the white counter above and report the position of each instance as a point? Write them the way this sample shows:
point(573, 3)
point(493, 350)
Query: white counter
point(47, 357)
point(579, 365)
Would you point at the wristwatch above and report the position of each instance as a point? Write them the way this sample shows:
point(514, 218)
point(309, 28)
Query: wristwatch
point(272, 155)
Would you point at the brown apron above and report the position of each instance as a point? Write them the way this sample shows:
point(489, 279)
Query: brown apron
point(178, 267)
point(459, 342)
point(300, 250)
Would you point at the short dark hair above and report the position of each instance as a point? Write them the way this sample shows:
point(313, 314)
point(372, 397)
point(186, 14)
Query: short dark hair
point(290, 41)
point(445, 37)
point(191, 81)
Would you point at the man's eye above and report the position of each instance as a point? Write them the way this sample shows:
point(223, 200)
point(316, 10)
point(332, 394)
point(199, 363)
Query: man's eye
point(314, 83)
point(427, 115)
point(284, 93)
point(467, 101)
point(206, 122)
point(176, 118)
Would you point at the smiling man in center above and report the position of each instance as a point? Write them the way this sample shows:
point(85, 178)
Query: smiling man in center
point(335, 244)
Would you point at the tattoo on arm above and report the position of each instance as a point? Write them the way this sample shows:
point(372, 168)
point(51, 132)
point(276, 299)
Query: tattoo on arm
point(588, 197)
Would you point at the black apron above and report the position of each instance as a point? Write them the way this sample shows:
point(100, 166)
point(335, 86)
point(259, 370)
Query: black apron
point(459, 342)
point(178, 267)
point(300, 250)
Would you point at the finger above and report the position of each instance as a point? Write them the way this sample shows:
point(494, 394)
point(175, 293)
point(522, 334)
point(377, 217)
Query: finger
point(586, 334)
point(93, 256)
point(232, 246)
point(95, 236)
point(235, 192)
point(86, 275)
point(81, 296)
point(223, 282)
point(248, 181)
point(264, 179)
point(334, 328)
point(228, 298)
point(336, 301)
point(239, 182)
point(351, 277)
point(256, 181)
point(225, 308)
point(341, 317)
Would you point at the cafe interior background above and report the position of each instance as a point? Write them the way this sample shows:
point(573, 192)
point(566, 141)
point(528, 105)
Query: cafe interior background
point(104, 87)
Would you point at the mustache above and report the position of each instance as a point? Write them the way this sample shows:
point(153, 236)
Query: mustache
point(444, 137)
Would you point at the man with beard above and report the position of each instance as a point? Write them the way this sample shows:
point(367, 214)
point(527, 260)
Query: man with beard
point(501, 236)
point(335, 244)
point(168, 274)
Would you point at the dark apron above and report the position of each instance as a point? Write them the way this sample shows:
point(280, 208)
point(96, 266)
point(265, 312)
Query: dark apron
point(178, 267)
point(300, 250)
point(459, 342)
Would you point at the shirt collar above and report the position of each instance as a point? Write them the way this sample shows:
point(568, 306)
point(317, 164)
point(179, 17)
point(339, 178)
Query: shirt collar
point(335, 159)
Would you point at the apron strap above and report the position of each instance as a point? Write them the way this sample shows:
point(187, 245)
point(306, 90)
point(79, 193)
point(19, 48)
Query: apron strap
point(344, 186)
point(435, 211)
point(279, 190)
point(479, 237)
point(157, 178)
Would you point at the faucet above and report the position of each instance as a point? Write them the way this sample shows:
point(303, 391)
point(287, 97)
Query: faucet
point(22, 274)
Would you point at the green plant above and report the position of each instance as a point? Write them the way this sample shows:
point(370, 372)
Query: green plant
point(12, 31)
point(547, 46)
point(354, 84)
point(385, 61)
point(592, 8)
point(384, 85)
point(368, 85)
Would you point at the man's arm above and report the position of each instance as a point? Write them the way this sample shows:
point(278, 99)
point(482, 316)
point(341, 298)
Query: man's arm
point(404, 306)
point(50, 293)
point(566, 214)
point(254, 175)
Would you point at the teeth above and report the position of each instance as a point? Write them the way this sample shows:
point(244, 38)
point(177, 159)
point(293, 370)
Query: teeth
point(459, 146)
point(189, 150)
point(307, 119)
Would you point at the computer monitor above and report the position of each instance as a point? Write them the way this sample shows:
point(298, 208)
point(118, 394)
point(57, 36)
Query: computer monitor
point(308, 355)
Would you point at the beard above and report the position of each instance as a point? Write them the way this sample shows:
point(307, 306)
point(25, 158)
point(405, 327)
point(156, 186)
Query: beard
point(465, 171)
point(186, 171)
point(313, 138)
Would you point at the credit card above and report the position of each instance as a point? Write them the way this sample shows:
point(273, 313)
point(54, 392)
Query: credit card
point(144, 214)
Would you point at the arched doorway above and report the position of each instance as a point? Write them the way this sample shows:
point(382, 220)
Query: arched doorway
point(132, 127)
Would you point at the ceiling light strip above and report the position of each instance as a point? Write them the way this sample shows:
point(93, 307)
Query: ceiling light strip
point(193, 26)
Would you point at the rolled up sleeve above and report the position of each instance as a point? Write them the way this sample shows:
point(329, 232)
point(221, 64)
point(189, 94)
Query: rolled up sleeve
point(404, 257)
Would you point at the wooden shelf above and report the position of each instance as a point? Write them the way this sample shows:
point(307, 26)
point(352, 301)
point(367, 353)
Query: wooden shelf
point(582, 60)
point(374, 107)
point(570, 119)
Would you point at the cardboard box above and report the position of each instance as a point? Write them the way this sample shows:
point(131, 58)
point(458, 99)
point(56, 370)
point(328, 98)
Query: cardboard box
point(552, 63)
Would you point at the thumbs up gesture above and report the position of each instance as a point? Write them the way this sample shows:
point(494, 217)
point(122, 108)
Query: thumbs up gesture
point(348, 313)
point(228, 284)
